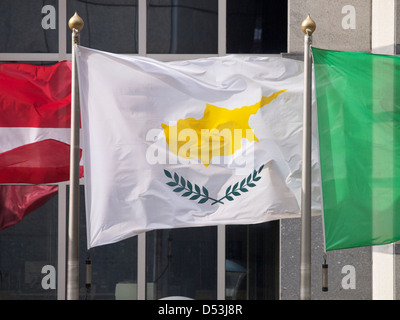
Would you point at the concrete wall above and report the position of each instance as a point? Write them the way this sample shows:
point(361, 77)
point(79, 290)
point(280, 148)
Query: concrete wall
point(341, 24)
point(359, 273)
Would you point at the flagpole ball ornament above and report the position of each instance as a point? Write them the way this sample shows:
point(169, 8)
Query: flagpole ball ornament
point(76, 22)
point(308, 26)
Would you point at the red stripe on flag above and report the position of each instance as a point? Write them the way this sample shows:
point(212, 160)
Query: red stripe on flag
point(46, 161)
point(18, 201)
point(35, 96)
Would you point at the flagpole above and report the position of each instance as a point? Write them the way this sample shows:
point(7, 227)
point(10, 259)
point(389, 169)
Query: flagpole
point(76, 25)
point(308, 26)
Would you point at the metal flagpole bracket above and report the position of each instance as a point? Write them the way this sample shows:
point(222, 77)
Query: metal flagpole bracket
point(308, 26)
point(76, 25)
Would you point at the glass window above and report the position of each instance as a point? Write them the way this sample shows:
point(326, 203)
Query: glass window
point(29, 26)
point(182, 26)
point(182, 262)
point(256, 26)
point(114, 266)
point(114, 271)
point(28, 249)
point(252, 262)
point(110, 25)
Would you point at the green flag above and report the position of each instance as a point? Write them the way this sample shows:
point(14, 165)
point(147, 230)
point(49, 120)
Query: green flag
point(358, 103)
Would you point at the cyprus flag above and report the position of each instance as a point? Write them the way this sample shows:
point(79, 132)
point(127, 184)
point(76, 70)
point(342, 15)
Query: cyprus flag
point(189, 143)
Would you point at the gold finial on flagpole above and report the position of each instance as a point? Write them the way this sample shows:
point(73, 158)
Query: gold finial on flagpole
point(75, 22)
point(308, 25)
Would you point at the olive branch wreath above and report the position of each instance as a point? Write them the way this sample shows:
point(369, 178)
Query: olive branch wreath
point(196, 193)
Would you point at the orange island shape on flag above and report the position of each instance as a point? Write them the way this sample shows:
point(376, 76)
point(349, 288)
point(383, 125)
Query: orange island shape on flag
point(218, 133)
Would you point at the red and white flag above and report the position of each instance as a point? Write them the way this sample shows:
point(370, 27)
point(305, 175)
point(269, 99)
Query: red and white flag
point(35, 103)
point(18, 201)
point(35, 123)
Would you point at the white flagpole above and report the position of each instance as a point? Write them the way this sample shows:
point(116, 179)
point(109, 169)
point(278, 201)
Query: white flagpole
point(76, 25)
point(308, 26)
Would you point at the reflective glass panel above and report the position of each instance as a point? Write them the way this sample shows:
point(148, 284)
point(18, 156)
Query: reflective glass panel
point(29, 26)
point(256, 26)
point(114, 266)
point(28, 249)
point(110, 25)
point(114, 271)
point(252, 262)
point(182, 26)
point(182, 263)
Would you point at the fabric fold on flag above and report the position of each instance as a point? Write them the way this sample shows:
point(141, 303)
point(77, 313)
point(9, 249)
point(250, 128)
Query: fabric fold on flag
point(358, 101)
point(189, 143)
point(18, 201)
point(35, 117)
point(35, 96)
point(35, 120)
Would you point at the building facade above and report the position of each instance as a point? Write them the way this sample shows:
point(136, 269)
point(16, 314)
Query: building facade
point(254, 262)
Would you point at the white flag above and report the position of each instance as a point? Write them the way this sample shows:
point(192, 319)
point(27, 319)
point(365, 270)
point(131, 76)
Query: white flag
point(190, 143)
